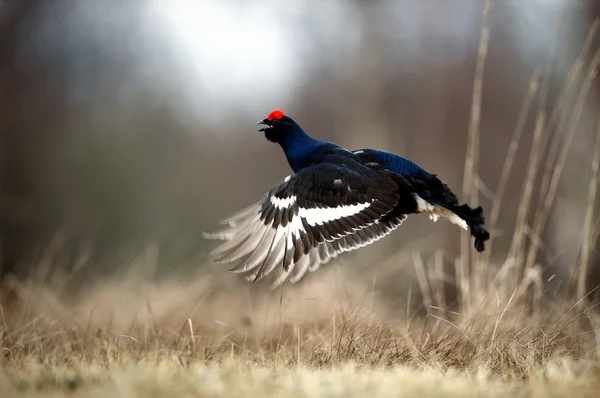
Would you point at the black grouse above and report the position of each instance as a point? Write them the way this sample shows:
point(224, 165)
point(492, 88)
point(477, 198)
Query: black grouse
point(336, 201)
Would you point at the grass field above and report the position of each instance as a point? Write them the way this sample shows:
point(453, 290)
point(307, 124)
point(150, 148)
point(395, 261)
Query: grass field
point(326, 337)
point(170, 378)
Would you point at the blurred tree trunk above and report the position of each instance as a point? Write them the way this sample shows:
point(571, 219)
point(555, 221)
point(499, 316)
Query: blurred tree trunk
point(15, 205)
point(367, 126)
point(29, 120)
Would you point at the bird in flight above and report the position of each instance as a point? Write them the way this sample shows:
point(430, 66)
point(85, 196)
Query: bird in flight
point(337, 200)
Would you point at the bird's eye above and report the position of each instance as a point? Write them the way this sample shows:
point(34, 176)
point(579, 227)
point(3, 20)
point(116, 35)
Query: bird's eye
point(275, 121)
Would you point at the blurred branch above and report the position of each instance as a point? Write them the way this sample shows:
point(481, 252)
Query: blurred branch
point(580, 270)
point(542, 215)
point(472, 155)
point(510, 156)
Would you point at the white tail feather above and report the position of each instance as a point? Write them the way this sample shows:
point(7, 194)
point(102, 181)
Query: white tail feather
point(435, 212)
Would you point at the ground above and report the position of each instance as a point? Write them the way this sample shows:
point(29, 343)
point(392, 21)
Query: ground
point(170, 378)
point(323, 338)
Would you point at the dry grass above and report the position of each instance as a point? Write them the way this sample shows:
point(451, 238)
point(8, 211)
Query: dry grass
point(169, 378)
point(214, 338)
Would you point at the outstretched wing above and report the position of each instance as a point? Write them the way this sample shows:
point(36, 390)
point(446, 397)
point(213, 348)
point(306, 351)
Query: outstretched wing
point(308, 219)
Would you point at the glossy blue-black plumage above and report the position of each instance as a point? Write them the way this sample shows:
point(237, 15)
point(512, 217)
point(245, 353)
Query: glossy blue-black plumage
point(297, 146)
point(301, 150)
point(395, 163)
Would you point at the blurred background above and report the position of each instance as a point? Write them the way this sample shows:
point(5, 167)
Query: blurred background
point(131, 125)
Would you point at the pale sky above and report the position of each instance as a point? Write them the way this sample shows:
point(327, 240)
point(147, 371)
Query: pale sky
point(240, 52)
point(252, 51)
point(209, 55)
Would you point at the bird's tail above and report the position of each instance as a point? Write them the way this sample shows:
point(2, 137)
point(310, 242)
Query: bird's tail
point(462, 215)
point(475, 221)
point(437, 199)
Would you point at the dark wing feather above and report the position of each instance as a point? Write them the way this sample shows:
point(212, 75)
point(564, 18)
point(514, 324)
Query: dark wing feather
point(308, 219)
point(327, 251)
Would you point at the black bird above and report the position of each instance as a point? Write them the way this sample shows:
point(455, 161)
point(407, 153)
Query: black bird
point(336, 201)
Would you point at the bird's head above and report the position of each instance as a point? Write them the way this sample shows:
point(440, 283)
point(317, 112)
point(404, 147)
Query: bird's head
point(277, 126)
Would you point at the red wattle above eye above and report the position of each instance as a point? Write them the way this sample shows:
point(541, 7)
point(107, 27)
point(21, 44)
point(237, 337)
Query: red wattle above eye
point(275, 115)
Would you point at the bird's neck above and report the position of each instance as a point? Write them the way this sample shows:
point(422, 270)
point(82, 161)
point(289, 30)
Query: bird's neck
point(298, 146)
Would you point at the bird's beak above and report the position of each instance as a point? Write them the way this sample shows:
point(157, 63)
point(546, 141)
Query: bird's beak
point(264, 122)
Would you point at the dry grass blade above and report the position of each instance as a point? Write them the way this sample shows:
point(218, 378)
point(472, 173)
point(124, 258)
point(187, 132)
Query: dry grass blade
point(439, 278)
point(586, 247)
point(516, 246)
point(512, 296)
point(510, 156)
point(423, 280)
point(469, 176)
point(192, 337)
point(541, 216)
point(559, 117)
